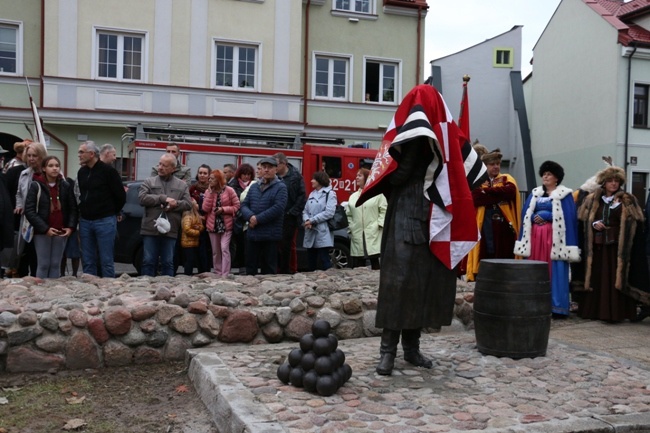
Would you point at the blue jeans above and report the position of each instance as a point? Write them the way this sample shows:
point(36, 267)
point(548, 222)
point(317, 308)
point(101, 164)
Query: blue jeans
point(153, 248)
point(314, 254)
point(97, 244)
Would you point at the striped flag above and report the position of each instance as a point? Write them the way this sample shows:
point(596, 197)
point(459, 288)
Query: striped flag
point(454, 171)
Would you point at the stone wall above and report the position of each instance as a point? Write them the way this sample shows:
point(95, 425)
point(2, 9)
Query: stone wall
point(89, 322)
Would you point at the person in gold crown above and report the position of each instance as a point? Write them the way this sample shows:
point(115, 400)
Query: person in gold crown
point(498, 209)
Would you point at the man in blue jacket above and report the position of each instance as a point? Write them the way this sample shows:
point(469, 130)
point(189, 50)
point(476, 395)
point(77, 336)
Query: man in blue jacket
point(263, 208)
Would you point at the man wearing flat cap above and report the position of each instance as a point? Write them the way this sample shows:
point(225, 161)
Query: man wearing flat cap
point(263, 208)
point(498, 209)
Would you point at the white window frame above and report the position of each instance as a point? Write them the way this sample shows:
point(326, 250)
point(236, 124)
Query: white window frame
point(348, 76)
point(121, 33)
point(257, 46)
point(18, 26)
point(372, 7)
point(398, 79)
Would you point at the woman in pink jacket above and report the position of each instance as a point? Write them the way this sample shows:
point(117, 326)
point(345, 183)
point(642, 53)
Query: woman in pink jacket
point(220, 205)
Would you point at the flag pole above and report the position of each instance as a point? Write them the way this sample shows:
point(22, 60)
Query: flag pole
point(463, 118)
point(40, 137)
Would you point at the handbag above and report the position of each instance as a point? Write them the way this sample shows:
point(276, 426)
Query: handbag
point(27, 229)
point(340, 219)
point(162, 223)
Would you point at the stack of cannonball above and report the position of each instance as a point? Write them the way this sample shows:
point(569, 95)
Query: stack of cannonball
point(318, 365)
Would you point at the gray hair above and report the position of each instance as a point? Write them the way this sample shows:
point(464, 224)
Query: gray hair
point(108, 147)
point(92, 147)
point(171, 157)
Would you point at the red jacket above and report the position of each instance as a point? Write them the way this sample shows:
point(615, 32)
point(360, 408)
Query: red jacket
point(229, 203)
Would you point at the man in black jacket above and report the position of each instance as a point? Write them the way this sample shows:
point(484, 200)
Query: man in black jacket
point(292, 178)
point(101, 199)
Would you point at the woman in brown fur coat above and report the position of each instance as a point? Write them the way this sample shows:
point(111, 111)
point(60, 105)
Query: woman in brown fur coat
point(613, 219)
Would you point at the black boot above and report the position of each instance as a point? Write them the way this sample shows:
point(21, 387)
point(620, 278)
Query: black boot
point(387, 351)
point(411, 346)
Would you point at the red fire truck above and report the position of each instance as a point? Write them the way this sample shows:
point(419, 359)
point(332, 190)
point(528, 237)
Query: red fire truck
point(216, 148)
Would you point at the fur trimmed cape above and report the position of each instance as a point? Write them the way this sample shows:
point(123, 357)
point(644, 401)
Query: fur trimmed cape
point(565, 239)
point(631, 217)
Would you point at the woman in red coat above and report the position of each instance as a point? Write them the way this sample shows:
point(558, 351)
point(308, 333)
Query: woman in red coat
point(220, 204)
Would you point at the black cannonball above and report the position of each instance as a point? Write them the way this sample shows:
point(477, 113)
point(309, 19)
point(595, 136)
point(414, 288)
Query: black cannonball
point(348, 371)
point(326, 385)
point(296, 377)
point(306, 342)
point(322, 346)
point(284, 372)
point(294, 358)
point(308, 360)
point(336, 377)
point(335, 361)
point(309, 380)
point(341, 356)
point(342, 375)
point(323, 365)
point(333, 341)
point(320, 328)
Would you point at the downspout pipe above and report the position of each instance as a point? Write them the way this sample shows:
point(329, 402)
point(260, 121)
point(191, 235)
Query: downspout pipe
point(306, 66)
point(627, 105)
point(419, 34)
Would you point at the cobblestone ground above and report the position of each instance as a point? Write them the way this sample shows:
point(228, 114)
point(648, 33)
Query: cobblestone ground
point(464, 391)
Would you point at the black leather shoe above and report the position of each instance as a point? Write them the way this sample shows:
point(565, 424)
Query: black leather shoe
point(416, 358)
point(386, 364)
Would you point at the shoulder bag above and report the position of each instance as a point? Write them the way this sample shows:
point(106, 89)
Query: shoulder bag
point(340, 219)
point(27, 229)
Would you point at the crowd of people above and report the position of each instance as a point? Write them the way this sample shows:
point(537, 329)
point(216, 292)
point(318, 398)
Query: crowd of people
point(593, 238)
point(254, 213)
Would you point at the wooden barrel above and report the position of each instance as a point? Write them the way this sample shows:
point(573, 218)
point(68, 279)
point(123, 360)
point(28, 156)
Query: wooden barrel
point(512, 308)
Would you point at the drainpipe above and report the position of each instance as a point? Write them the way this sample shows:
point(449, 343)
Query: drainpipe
point(42, 66)
point(627, 106)
point(419, 34)
point(306, 67)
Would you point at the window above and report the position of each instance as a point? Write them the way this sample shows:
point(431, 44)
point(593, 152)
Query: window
point(641, 105)
point(236, 66)
point(360, 6)
point(10, 50)
point(503, 57)
point(381, 82)
point(120, 56)
point(331, 78)
point(332, 166)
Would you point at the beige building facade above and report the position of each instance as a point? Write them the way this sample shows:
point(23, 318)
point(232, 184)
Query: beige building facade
point(331, 69)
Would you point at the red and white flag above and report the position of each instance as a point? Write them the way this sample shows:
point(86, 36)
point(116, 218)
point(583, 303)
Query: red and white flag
point(454, 171)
